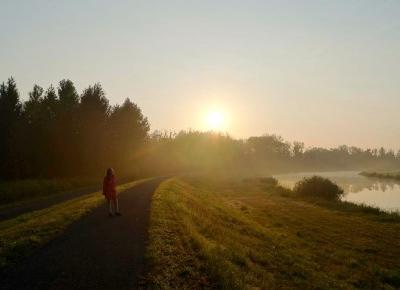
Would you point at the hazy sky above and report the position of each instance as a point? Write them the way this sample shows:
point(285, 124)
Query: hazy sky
point(322, 72)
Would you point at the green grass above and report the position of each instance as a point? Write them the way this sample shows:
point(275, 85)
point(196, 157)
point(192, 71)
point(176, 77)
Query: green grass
point(28, 189)
point(229, 234)
point(21, 235)
point(349, 207)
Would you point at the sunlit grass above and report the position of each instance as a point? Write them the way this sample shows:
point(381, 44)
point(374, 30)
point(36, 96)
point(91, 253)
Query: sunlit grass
point(241, 235)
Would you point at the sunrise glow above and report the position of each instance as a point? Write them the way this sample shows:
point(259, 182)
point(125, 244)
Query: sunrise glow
point(215, 120)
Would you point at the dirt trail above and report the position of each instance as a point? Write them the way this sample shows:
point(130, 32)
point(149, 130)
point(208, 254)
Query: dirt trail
point(96, 252)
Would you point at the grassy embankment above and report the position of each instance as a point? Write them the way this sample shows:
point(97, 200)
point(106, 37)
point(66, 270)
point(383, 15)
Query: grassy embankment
point(386, 175)
point(20, 191)
point(244, 235)
point(21, 235)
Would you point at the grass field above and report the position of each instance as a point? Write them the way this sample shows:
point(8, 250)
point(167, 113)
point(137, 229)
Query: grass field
point(21, 235)
point(207, 233)
point(29, 189)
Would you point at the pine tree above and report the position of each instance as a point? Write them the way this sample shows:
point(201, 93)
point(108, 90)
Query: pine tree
point(66, 143)
point(93, 113)
point(128, 131)
point(10, 112)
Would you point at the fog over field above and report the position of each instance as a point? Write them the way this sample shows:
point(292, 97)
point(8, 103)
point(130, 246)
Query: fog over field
point(198, 144)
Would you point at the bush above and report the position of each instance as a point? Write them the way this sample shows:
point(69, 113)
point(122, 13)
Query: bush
point(318, 187)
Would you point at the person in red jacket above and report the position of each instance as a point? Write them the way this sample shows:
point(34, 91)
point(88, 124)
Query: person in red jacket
point(110, 192)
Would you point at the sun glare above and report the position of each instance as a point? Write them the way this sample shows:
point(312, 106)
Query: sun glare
point(215, 120)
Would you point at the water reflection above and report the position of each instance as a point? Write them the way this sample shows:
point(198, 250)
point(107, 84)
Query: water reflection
point(383, 193)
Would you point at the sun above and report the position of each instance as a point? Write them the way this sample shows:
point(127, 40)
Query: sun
point(215, 120)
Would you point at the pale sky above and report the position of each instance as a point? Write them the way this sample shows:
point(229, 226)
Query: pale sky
point(323, 72)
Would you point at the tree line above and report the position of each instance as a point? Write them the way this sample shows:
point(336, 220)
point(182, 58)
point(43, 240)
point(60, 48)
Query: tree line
point(267, 154)
point(58, 132)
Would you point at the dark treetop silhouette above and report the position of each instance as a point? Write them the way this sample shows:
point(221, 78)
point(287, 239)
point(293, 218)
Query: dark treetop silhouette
point(59, 133)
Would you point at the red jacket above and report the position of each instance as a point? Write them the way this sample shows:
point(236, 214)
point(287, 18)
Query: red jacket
point(109, 190)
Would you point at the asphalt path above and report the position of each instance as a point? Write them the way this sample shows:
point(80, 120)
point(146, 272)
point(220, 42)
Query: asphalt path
point(96, 252)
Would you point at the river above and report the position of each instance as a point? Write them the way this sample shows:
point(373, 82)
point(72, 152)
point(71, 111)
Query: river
point(381, 193)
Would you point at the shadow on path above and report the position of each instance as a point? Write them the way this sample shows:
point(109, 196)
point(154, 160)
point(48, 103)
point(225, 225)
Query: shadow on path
point(96, 252)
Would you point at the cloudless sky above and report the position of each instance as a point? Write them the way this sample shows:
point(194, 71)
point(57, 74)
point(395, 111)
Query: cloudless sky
point(323, 72)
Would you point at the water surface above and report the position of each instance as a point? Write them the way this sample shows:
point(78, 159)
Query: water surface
point(382, 193)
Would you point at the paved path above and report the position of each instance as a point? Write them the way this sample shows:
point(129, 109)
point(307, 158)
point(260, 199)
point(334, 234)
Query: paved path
point(96, 252)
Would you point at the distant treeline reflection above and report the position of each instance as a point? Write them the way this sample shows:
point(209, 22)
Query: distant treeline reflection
point(60, 133)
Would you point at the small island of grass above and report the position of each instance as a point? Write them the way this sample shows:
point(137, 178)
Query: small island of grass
point(384, 175)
